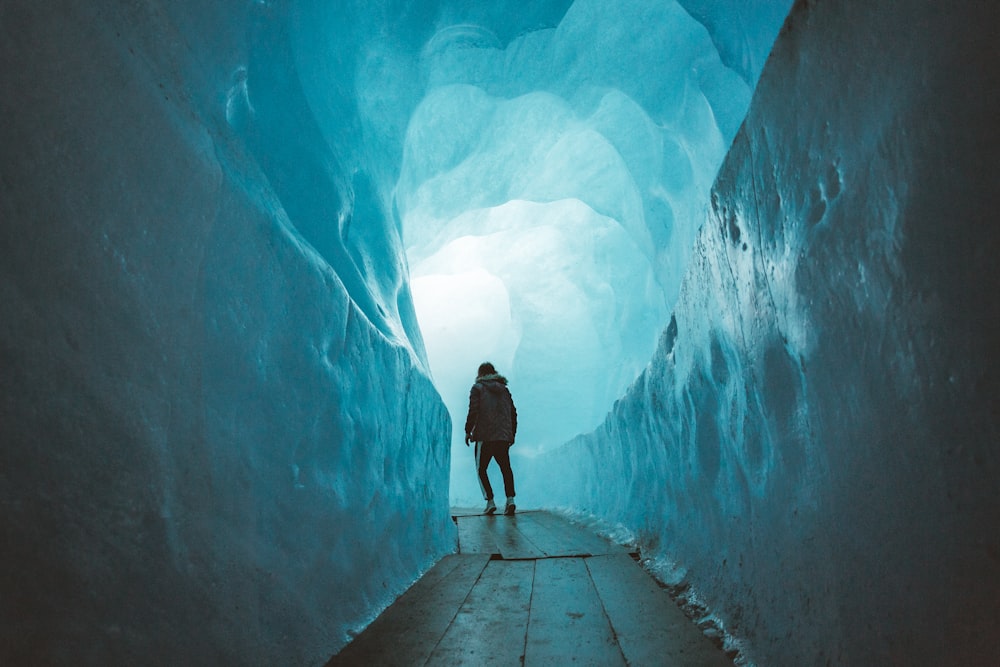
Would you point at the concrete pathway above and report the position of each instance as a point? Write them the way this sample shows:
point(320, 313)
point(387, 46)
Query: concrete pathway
point(532, 589)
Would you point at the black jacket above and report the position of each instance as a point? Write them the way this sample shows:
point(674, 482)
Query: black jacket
point(492, 416)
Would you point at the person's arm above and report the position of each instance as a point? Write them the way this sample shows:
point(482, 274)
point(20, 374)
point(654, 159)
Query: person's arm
point(513, 420)
point(470, 421)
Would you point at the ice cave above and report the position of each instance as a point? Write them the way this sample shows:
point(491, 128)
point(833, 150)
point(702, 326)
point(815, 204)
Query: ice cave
point(738, 259)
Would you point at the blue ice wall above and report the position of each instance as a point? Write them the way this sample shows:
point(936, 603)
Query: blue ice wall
point(214, 417)
point(550, 191)
point(219, 442)
point(813, 449)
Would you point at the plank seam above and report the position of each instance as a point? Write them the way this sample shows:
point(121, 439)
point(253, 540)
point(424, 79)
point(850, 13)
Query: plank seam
point(604, 610)
point(531, 605)
point(455, 615)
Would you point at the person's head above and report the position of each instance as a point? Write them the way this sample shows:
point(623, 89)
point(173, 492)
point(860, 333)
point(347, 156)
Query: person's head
point(486, 368)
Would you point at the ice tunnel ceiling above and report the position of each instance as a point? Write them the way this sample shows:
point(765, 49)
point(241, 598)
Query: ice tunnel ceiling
point(549, 169)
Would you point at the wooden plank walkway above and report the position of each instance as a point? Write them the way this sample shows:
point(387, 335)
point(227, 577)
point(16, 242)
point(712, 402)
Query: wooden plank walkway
point(532, 589)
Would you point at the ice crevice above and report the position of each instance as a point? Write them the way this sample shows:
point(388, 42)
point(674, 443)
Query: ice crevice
point(737, 263)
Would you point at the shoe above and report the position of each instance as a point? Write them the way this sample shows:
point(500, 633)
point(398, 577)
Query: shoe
point(490, 507)
point(509, 509)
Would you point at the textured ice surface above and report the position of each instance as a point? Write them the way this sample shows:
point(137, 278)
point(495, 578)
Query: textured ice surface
point(569, 167)
point(215, 418)
point(814, 442)
point(218, 443)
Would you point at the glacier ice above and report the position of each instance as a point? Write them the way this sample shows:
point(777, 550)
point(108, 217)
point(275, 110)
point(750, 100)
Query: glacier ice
point(572, 329)
point(606, 128)
point(814, 441)
point(219, 223)
point(220, 444)
point(217, 421)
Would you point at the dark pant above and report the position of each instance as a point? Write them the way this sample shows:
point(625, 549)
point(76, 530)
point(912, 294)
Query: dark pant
point(501, 452)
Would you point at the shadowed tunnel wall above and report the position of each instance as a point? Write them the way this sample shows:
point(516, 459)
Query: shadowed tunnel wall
point(219, 445)
point(200, 466)
point(813, 448)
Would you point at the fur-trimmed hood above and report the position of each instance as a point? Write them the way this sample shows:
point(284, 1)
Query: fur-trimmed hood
point(492, 377)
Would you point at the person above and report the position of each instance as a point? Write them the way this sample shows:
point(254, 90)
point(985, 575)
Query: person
point(492, 425)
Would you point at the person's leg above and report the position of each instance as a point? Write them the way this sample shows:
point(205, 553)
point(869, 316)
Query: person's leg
point(483, 456)
point(502, 454)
